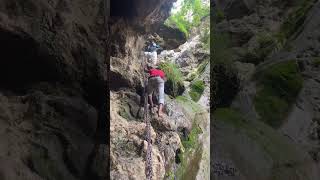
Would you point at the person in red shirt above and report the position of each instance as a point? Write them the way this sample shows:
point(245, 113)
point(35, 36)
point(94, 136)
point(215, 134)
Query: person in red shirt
point(156, 83)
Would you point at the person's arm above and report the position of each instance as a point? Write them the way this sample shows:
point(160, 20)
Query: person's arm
point(146, 70)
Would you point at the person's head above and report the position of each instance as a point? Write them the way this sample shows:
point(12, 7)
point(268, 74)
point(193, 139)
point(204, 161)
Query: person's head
point(151, 66)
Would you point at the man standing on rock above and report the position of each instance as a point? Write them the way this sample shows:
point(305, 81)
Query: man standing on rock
point(156, 83)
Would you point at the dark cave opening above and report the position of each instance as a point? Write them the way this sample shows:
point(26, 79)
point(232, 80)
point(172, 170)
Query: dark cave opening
point(23, 62)
point(122, 8)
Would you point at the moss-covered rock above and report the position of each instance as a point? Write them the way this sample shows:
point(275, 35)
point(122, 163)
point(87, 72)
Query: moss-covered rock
point(190, 106)
point(191, 156)
point(279, 87)
point(263, 44)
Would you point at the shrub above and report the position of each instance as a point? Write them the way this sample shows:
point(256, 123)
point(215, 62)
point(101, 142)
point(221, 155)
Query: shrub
point(174, 85)
point(279, 87)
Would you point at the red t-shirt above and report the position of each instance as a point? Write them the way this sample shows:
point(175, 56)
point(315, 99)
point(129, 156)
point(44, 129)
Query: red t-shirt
point(156, 72)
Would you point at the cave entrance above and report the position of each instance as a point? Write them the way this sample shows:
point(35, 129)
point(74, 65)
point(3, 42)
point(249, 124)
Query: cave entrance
point(122, 8)
point(22, 62)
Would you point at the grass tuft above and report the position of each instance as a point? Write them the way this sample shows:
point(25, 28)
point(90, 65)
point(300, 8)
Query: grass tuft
point(174, 85)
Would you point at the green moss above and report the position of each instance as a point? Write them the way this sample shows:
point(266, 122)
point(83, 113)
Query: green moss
point(218, 15)
point(279, 87)
point(190, 106)
point(169, 175)
point(316, 62)
point(228, 115)
point(192, 139)
point(266, 44)
point(124, 112)
point(189, 160)
point(174, 85)
point(189, 165)
point(196, 90)
point(220, 52)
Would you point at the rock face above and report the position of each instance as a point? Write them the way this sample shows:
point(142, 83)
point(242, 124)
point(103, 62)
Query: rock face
point(52, 88)
point(128, 146)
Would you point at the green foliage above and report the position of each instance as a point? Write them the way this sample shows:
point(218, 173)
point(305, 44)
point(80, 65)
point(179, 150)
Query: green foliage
point(197, 89)
point(218, 15)
point(281, 84)
point(174, 85)
point(267, 43)
point(200, 69)
point(180, 20)
point(294, 21)
point(169, 175)
point(202, 66)
point(228, 115)
point(192, 139)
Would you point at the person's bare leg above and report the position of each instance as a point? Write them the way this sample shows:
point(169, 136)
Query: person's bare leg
point(160, 112)
point(151, 102)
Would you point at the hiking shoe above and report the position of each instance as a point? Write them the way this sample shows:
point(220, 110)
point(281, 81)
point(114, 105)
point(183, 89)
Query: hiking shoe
point(153, 111)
